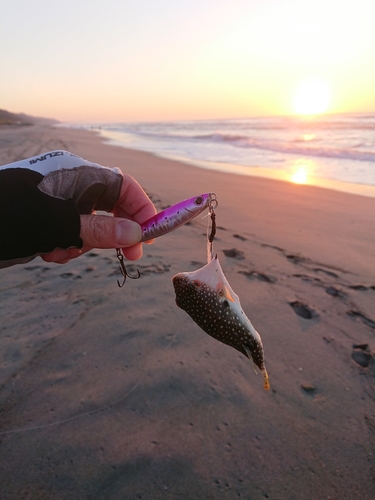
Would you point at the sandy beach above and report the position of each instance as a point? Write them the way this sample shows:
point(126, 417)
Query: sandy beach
point(109, 393)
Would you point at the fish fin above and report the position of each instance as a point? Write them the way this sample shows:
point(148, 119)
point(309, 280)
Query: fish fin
point(248, 352)
point(224, 291)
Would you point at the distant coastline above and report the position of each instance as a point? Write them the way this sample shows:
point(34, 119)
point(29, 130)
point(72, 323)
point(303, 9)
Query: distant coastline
point(22, 120)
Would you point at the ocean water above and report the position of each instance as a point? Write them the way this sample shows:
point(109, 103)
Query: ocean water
point(332, 151)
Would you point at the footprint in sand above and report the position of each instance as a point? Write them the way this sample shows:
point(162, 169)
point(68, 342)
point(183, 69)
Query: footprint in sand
point(239, 237)
point(328, 273)
point(266, 245)
point(157, 268)
point(66, 276)
point(357, 314)
point(362, 355)
point(334, 292)
point(303, 310)
point(296, 259)
point(258, 276)
point(234, 254)
point(362, 288)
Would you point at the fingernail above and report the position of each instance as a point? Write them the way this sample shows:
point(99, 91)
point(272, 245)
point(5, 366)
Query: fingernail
point(128, 233)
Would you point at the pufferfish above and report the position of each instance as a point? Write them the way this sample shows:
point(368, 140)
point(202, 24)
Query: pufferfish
point(209, 300)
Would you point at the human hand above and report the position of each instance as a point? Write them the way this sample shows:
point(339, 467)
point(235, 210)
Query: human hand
point(120, 231)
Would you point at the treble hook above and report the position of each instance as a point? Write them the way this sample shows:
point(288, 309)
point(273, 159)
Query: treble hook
point(123, 270)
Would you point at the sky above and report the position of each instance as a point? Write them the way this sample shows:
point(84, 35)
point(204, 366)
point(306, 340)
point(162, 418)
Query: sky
point(150, 60)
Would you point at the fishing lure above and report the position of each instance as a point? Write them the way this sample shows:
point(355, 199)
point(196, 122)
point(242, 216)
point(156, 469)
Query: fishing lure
point(168, 220)
point(173, 217)
point(207, 297)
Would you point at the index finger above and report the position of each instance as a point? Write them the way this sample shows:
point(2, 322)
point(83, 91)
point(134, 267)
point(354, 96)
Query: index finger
point(133, 202)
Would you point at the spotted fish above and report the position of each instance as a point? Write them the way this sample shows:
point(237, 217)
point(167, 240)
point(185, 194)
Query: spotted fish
point(209, 300)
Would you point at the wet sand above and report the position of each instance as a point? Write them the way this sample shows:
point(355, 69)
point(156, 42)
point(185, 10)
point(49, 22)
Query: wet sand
point(125, 397)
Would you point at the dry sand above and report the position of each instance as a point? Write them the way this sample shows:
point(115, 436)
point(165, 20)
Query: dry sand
point(129, 399)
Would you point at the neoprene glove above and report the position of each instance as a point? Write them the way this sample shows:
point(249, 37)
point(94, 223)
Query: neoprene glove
point(41, 199)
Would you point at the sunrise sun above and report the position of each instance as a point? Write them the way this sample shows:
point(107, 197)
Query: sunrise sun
point(312, 97)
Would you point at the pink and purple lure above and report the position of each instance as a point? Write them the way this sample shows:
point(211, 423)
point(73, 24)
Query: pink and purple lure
point(173, 217)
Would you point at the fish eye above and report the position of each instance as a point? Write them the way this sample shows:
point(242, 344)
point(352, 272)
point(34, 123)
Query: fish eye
point(196, 283)
point(198, 200)
point(225, 304)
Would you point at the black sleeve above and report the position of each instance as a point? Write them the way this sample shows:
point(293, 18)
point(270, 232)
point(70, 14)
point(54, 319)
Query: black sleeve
point(32, 222)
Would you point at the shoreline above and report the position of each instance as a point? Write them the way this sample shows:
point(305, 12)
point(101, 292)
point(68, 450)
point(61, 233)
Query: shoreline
point(253, 171)
point(128, 398)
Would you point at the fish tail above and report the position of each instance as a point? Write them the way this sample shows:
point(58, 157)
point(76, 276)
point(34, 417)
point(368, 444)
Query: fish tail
point(266, 382)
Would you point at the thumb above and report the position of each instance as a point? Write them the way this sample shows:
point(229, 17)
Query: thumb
point(101, 231)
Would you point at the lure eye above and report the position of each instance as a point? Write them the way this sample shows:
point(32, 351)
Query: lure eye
point(198, 200)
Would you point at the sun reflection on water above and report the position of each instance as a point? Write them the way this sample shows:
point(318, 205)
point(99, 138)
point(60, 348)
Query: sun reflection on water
point(300, 176)
point(301, 171)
